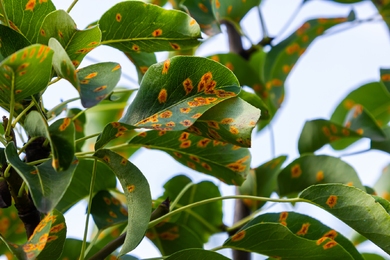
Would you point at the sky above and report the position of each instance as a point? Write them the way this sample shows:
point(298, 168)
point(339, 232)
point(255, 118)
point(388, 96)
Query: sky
point(332, 66)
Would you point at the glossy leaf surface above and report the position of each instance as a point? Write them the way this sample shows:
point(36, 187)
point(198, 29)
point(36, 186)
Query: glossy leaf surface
point(139, 201)
point(11, 41)
point(314, 169)
point(176, 92)
point(356, 208)
point(202, 11)
point(194, 254)
point(200, 154)
point(47, 186)
point(133, 26)
point(233, 10)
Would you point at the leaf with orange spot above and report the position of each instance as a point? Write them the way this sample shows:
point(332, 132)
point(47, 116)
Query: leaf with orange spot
point(139, 202)
point(107, 210)
point(202, 11)
point(383, 9)
point(27, 21)
point(112, 131)
point(333, 169)
point(382, 185)
point(354, 207)
point(79, 126)
point(262, 181)
point(26, 72)
point(138, 18)
point(46, 186)
point(11, 41)
point(76, 43)
point(298, 239)
point(242, 119)
point(142, 61)
point(11, 228)
point(230, 168)
point(145, 110)
point(233, 10)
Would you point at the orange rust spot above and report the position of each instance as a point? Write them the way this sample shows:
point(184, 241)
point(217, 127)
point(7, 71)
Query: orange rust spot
point(123, 161)
point(112, 214)
point(303, 28)
point(162, 132)
point(51, 238)
point(237, 167)
point(330, 244)
point(166, 66)
point(191, 165)
point(30, 5)
point(195, 158)
point(106, 159)
point(107, 200)
point(358, 111)
point(18, 91)
point(143, 69)
point(57, 228)
point(135, 47)
point(360, 131)
point(170, 124)
point(203, 8)
point(213, 134)
point(244, 159)
point(320, 30)
point(65, 124)
point(230, 66)
point(23, 66)
point(348, 104)
point(234, 130)
point(204, 81)
point(203, 143)
point(178, 155)
point(130, 188)
point(157, 33)
point(283, 216)
point(292, 48)
point(151, 235)
point(188, 87)
point(42, 32)
point(332, 234)
point(213, 124)
point(162, 96)
point(238, 236)
point(21, 74)
point(84, 50)
point(175, 46)
point(320, 176)
point(98, 89)
point(166, 114)
point(184, 136)
point(286, 68)
point(186, 122)
point(75, 63)
point(185, 110)
point(123, 211)
point(304, 229)
point(296, 171)
point(206, 166)
point(215, 58)
point(168, 236)
point(185, 144)
point(331, 201)
point(40, 51)
point(192, 22)
point(197, 115)
point(34, 172)
point(60, 34)
point(217, 4)
point(326, 131)
point(229, 9)
point(194, 129)
point(305, 38)
point(385, 77)
point(118, 17)
point(117, 67)
point(333, 128)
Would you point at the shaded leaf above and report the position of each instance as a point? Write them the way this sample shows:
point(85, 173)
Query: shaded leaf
point(200, 154)
point(11, 228)
point(26, 16)
point(76, 43)
point(133, 26)
point(262, 181)
point(313, 169)
point(356, 208)
point(382, 185)
point(11, 41)
point(107, 210)
point(256, 101)
point(202, 12)
point(138, 198)
point(233, 10)
point(173, 237)
point(231, 121)
point(292, 235)
point(371, 256)
point(105, 236)
point(111, 131)
point(385, 77)
point(194, 254)
point(79, 125)
point(72, 249)
point(176, 92)
point(142, 61)
point(79, 186)
point(47, 186)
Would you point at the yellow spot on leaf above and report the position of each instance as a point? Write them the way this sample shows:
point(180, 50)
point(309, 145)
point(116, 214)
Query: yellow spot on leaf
point(229, 9)
point(123, 161)
point(236, 167)
point(286, 68)
point(112, 214)
point(293, 48)
point(326, 131)
point(203, 143)
point(192, 22)
point(206, 166)
point(51, 238)
point(107, 200)
point(100, 88)
point(65, 124)
point(348, 104)
point(301, 30)
point(166, 65)
point(197, 115)
point(18, 91)
point(239, 236)
point(166, 114)
point(185, 144)
point(203, 8)
point(157, 33)
point(30, 5)
point(75, 63)
point(57, 228)
point(195, 158)
point(331, 201)
point(319, 176)
point(213, 124)
point(330, 244)
point(130, 188)
point(332, 234)
point(84, 81)
point(385, 77)
point(188, 87)
point(162, 96)
point(234, 130)
point(178, 155)
point(360, 131)
point(186, 122)
point(135, 47)
point(191, 165)
point(170, 124)
point(117, 67)
point(118, 17)
point(34, 172)
point(184, 136)
point(106, 159)
point(304, 229)
point(229, 65)
point(296, 171)
point(175, 46)
point(185, 110)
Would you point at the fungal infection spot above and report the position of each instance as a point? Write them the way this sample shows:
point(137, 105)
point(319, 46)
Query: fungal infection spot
point(166, 66)
point(319, 176)
point(194, 129)
point(60, 34)
point(98, 89)
point(348, 104)
point(34, 172)
point(358, 111)
point(234, 130)
point(162, 96)
point(236, 167)
point(186, 122)
point(166, 114)
point(112, 214)
point(192, 22)
point(304, 229)
point(196, 116)
point(333, 128)
point(217, 4)
point(244, 159)
point(66, 122)
point(143, 69)
point(117, 67)
point(23, 66)
point(188, 87)
point(229, 65)
point(330, 244)
point(283, 216)
point(185, 144)
point(360, 131)
point(42, 32)
point(184, 136)
point(191, 165)
point(213, 124)
point(135, 47)
point(178, 155)
point(157, 33)
point(301, 30)
point(57, 228)
point(123, 161)
point(51, 238)
point(286, 68)
point(238, 236)
point(195, 158)
point(292, 48)
point(30, 5)
point(296, 171)
point(203, 143)
point(229, 9)
point(107, 159)
point(203, 8)
point(385, 77)
point(18, 91)
point(107, 200)
point(123, 211)
point(130, 188)
point(332, 234)
point(175, 46)
point(326, 131)
point(331, 201)
point(213, 134)
point(185, 110)
point(118, 17)
point(170, 124)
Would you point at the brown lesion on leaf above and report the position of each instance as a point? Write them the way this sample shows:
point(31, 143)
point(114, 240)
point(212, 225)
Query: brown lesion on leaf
point(296, 171)
point(238, 236)
point(157, 32)
point(304, 229)
point(162, 96)
point(331, 201)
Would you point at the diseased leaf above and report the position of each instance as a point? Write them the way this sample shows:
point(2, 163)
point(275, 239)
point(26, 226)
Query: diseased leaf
point(202, 11)
point(47, 186)
point(313, 169)
point(383, 9)
point(11, 41)
point(138, 198)
point(292, 235)
point(111, 131)
point(11, 228)
point(382, 185)
point(385, 77)
point(356, 208)
point(194, 254)
point(176, 92)
point(200, 154)
point(79, 125)
point(233, 10)
point(133, 26)
point(72, 249)
point(142, 61)
point(262, 181)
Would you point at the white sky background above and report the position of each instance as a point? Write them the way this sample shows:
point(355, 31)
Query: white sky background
point(331, 67)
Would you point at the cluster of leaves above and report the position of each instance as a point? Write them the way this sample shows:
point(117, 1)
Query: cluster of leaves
point(194, 109)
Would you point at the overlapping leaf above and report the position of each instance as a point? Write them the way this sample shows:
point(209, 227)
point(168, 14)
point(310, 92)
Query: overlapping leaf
point(112, 131)
point(231, 121)
point(292, 235)
point(262, 181)
point(356, 208)
point(11, 41)
point(133, 26)
point(385, 77)
point(312, 169)
point(72, 249)
point(382, 185)
point(77, 43)
point(11, 228)
point(193, 254)
point(233, 10)
point(176, 92)
point(26, 16)
point(142, 61)
point(139, 201)
point(202, 11)
point(107, 210)
point(47, 186)
point(79, 125)
point(201, 154)
point(25, 73)
point(203, 220)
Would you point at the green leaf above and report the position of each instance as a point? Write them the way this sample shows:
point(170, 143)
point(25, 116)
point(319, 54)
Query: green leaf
point(26, 16)
point(173, 237)
point(47, 186)
point(194, 254)
point(313, 169)
point(139, 201)
point(76, 43)
point(262, 181)
point(24, 73)
point(72, 249)
point(256, 101)
point(142, 61)
point(385, 78)
point(356, 208)
point(176, 92)
point(233, 10)
point(203, 220)
point(11, 228)
point(107, 210)
point(111, 131)
point(231, 121)
point(290, 235)
point(79, 186)
point(370, 256)
point(97, 81)
point(133, 26)
point(79, 125)
point(283, 56)
point(11, 41)
point(200, 154)
point(382, 185)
